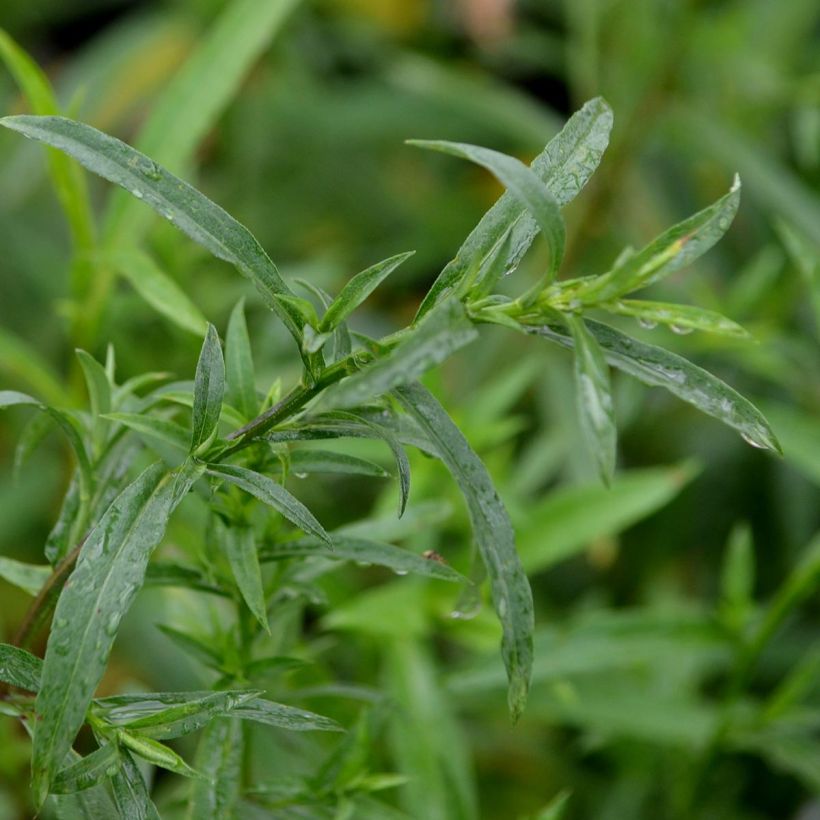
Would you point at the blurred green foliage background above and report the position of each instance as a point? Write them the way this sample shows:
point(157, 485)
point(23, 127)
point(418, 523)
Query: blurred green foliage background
point(642, 618)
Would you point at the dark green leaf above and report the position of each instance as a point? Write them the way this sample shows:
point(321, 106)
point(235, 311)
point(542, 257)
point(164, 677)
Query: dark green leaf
point(209, 389)
point(219, 757)
point(240, 547)
point(326, 461)
point(358, 289)
point(271, 493)
point(493, 533)
point(131, 793)
point(200, 649)
point(87, 771)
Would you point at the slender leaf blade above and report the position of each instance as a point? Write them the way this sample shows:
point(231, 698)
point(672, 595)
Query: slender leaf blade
point(20, 668)
point(239, 371)
point(219, 758)
point(273, 494)
point(209, 389)
point(130, 792)
point(679, 318)
point(494, 535)
point(240, 547)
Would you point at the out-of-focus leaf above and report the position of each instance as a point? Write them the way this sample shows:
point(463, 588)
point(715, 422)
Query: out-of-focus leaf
point(594, 399)
point(158, 289)
point(28, 577)
point(96, 380)
point(239, 371)
point(20, 668)
point(570, 518)
point(209, 388)
point(108, 574)
point(660, 368)
point(520, 181)
point(738, 577)
point(564, 166)
point(434, 339)
point(680, 318)
point(358, 289)
point(363, 551)
point(197, 648)
point(21, 361)
point(271, 493)
point(493, 533)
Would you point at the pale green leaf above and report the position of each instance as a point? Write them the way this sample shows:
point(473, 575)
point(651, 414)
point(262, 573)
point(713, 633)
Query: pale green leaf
point(156, 753)
point(87, 771)
point(240, 548)
point(219, 757)
point(239, 371)
point(130, 792)
point(20, 668)
point(680, 318)
point(164, 430)
point(28, 577)
point(209, 389)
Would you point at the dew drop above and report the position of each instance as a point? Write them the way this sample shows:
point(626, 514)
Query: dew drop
point(111, 771)
point(137, 193)
point(61, 623)
point(364, 563)
point(113, 623)
point(647, 324)
point(681, 330)
point(502, 607)
point(753, 441)
point(300, 475)
point(401, 572)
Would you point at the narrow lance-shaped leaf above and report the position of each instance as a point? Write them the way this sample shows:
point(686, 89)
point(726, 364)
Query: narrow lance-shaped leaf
point(434, 339)
point(219, 758)
point(520, 181)
point(564, 166)
point(271, 493)
point(164, 430)
point(493, 532)
point(157, 753)
point(358, 289)
point(364, 550)
point(594, 398)
point(109, 572)
point(158, 289)
point(87, 771)
point(240, 547)
point(239, 370)
point(192, 212)
point(660, 368)
point(679, 318)
point(96, 380)
point(672, 250)
point(130, 792)
point(303, 462)
point(20, 668)
point(209, 388)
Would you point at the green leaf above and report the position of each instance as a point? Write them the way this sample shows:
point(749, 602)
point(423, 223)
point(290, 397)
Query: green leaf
point(738, 577)
point(594, 399)
point(109, 572)
point(660, 368)
point(156, 753)
point(327, 461)
point(434, 339)
point(158, 289)
point(179, 719)
point(523, 183)
point(21, 361)
point(219, 757)
point(197, 648)
point(564, 166)
point(358, 289)
point(20, 668)
point(209, 388)
point(69, 182)
point(87, 771)
point(239, 370)
point(679, 318)
point(130, 792)
point(164, 430)
point(363, 551)
point(11, 398)
point(672, 250)
point(196, 95)
point(96, 380)
point(493, 532)
point(193, 213)
point(240, 547)
point(284, 717)
point(271, 493)
point(570, 518)
point(28, 577)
